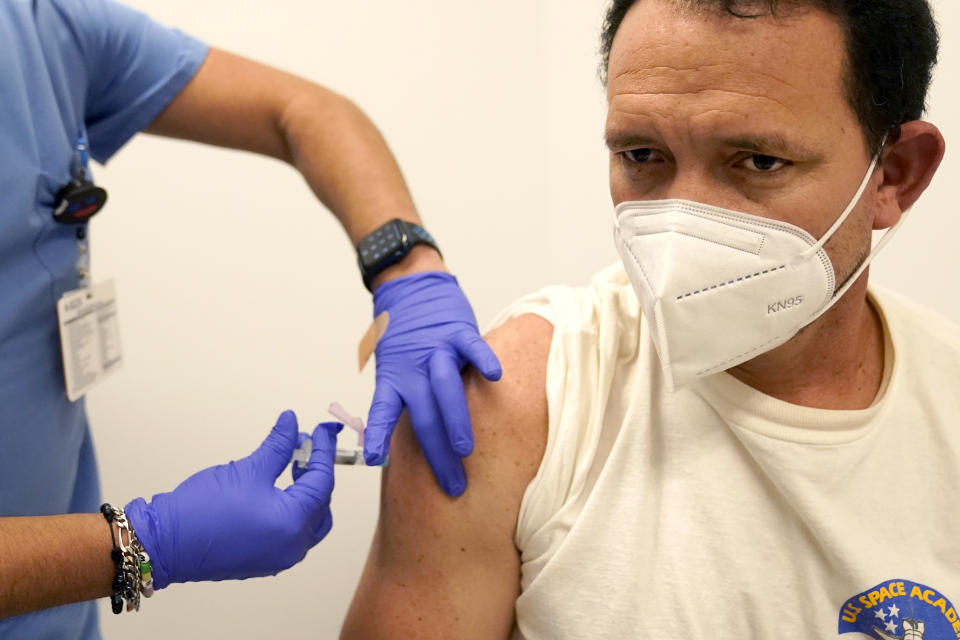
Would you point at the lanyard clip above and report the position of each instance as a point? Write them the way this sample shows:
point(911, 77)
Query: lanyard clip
point(79, 199)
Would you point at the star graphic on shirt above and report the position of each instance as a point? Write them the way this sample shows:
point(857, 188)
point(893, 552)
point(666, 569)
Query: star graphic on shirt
point(894, 611)
point(880, 614)
point(891, 626)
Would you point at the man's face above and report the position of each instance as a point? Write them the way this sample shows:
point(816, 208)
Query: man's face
point(746, 114)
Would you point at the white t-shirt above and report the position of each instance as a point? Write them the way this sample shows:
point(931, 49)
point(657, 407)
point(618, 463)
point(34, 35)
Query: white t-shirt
point(720, 512)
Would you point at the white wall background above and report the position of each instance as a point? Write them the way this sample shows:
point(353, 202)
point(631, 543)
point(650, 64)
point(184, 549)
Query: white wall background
point(239, 295)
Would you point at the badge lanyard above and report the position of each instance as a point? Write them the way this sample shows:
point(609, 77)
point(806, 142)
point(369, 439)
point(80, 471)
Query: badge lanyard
point(77, 202)
point(83, 258)
point(87, 316)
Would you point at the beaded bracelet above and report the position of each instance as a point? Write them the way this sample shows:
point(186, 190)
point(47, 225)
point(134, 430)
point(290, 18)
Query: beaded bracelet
point(134, 572)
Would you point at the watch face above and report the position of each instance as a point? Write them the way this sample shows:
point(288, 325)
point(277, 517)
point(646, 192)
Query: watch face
point(379, 244)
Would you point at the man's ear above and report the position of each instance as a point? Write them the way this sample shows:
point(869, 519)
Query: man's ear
point(908, 167)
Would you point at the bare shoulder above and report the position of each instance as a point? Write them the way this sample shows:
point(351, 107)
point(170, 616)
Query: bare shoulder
point(443, 567)
point(510, 416)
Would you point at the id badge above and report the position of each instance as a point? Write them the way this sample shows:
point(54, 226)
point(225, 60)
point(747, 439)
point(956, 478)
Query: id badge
point(89, 337)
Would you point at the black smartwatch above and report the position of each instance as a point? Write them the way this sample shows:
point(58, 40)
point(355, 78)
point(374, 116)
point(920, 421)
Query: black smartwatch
point(388, 245)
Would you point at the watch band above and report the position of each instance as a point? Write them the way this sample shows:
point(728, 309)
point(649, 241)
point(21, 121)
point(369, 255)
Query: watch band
point(387, 245)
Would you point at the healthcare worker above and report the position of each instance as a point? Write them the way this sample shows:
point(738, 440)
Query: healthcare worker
point(79, 78)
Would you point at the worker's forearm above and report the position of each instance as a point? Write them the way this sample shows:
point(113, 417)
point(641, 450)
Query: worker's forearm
point(238, 103)
point(346, 162)
point(349, 167)
point(53, 560)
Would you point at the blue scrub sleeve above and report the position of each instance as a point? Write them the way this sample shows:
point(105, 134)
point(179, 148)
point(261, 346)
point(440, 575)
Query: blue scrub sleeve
point(135, 67)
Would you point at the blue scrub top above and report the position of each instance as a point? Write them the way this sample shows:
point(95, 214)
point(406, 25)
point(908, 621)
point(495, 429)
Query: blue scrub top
point(68, 68)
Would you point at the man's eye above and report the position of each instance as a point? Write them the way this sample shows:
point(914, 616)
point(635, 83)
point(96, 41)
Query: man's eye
point(639, 156)
point(763, 163)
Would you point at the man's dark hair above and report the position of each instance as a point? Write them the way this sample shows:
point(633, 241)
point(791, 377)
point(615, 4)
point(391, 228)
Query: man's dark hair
point(891, 50)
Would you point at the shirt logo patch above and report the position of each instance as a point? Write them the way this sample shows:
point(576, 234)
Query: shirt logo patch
point(900, 610)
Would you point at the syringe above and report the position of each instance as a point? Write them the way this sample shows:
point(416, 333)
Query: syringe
point(349, 456)
point(301, 456)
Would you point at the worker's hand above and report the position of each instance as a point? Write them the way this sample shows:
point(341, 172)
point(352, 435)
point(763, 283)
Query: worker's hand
point(295, 469)
point(432, 334)
point(230, 522)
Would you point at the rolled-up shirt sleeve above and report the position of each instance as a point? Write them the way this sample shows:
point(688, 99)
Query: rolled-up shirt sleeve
point(135, 68)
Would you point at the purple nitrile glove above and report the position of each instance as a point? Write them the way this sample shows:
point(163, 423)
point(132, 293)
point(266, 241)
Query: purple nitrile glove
point(295, 469)
point(231, 522)
point(431, 336)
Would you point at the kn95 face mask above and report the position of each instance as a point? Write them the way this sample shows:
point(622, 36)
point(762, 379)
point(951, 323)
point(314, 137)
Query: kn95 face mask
point(719, 287)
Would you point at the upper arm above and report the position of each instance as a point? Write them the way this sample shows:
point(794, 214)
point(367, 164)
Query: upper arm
point(239, 103)
point(232, 102)
point(442, 567)
point(133, 67)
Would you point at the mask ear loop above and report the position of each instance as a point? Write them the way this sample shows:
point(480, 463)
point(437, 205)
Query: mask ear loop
point(850, 207)
point(863, 266)
point(873, 252)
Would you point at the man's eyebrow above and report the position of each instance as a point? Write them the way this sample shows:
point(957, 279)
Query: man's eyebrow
point(772, 144)
point(763, 143)
point(618, 139)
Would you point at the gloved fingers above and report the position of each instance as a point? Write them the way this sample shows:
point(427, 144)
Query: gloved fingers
point(478, 353)
point(312, 490)
point(321, 530)
point(272, 457)
point(384, 412)
point(451, 401)
point(445, 463)
point(295, 469)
